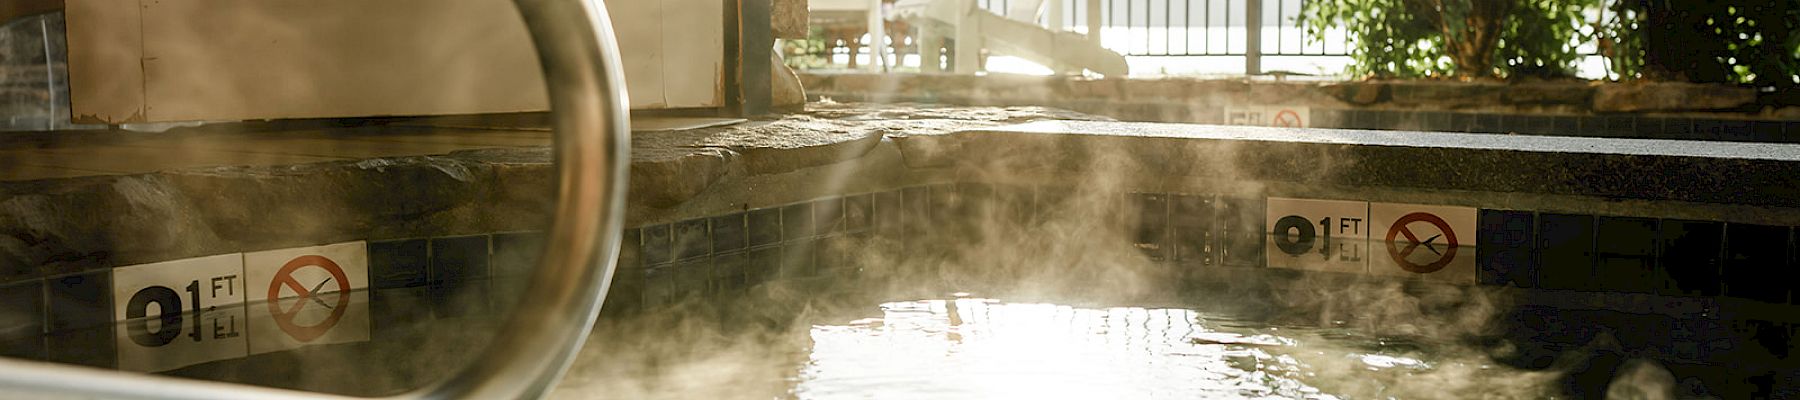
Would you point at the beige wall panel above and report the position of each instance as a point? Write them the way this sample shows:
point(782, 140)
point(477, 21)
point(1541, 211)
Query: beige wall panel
point(306, 58)
point(639, 27)
point(694, 58)
point(105, 59)
point(268, 59)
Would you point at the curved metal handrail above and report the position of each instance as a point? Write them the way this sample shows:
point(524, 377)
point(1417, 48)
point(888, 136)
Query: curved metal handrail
point(583, 74)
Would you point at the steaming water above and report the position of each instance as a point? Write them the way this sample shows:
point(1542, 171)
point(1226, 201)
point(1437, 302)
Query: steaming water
point(850, 334)
point(982, 348)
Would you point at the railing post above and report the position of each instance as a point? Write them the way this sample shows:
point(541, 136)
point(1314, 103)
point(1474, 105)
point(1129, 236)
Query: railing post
point(1093, 20)
point(968, 38)
point(877, 37)
point(1253, 24)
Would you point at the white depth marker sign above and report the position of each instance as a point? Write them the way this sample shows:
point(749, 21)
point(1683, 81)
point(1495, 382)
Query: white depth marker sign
point(1318, 235)
point(179, 313)
point(313, 296)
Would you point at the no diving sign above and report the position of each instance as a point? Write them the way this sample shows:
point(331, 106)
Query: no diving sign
point(309, 294)
point(1433, 241)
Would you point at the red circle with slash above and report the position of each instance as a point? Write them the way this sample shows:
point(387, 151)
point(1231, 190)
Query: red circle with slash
point(1288, 119)
point(1400, 254)
point(284, 316)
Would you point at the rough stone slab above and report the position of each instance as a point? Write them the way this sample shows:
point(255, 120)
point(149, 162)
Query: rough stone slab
point(1670, 97)
point(58, 226)
point(1693, 171)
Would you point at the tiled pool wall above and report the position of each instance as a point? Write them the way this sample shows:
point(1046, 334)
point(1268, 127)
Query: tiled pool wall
point(1514, 248)
point(67, 318)
point(1668, 260)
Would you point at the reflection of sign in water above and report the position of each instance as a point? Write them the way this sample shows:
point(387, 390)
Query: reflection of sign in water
point(179, 313)
point(287, 316)
point(1425, 241)
point(1320, 235)
point(1403, 254)
point(311, 296)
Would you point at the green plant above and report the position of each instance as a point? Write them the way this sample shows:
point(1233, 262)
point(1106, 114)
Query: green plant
point(1751, 42)
point(1455, 38)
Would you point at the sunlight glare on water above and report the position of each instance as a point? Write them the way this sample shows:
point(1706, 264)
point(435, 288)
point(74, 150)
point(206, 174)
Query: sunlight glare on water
point(982, 349)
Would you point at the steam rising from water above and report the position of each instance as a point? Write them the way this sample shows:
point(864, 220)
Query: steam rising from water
point(998, 296)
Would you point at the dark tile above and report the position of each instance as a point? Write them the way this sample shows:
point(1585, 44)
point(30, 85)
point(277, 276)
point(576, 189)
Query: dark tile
point(946, 206)
point(659, 286)
point(25, 348)
point(516, 254)
point(728, 233)
point(859, 213)
point(730, 272)
point(1461, 122)
point(1191, 220)
point(23, 315)
point(1736, 130)
point(1388, 120)
point(1690, 256)
point(1794, 259)
point(799, 258)
point(1620, 126)
point(398, 313)
point(1504, 247)
point(1766, 131)
point(764, 265)
point(1591, 126)
point(691, 240)
point(1360, 119)
point(631, 249)
point(1323, 118)
point(1150, 224)
point(1756, 262)
point(1486, 123)
point(797, 222)
point(1240, 222)
point(764, 226)
point(1626, 255)
point(1790, 132)
point(693, 277)
point(1708, 129)
point(91, 346)
point(915, 212)
point(977, 201)
point(838, 255)
point(455, 259)
point(457, 299)
point(80, 301)
point(1566, 125)
point(887, 213)
point(658, 245)
point(1436, 121)
point(1408, 121)
point(1053, 203)
point(828, 216)
point(1678, 128)
point(1565, 251)
point(1536, 125)
point(399, 263)
point(1013, 204)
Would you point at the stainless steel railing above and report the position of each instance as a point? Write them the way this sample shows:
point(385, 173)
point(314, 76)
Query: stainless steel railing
point(583, 72)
